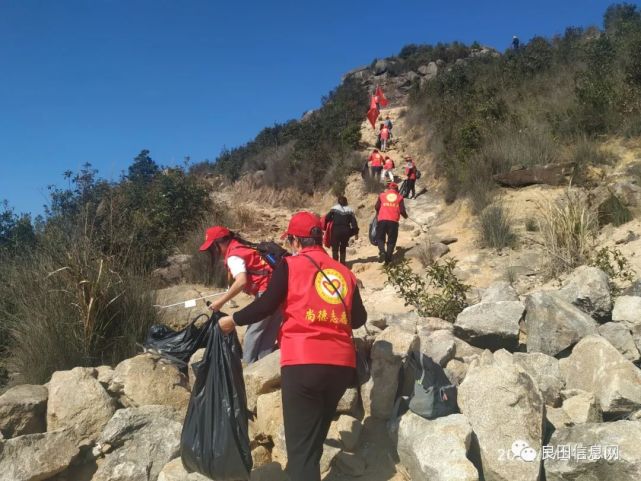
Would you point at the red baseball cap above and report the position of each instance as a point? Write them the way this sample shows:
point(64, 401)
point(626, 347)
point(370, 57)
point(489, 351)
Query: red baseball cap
point(301, 224)
point(212, 235)
point(392, 185)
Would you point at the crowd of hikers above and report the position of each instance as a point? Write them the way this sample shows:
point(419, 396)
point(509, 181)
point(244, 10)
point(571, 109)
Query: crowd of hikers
point(306, 303)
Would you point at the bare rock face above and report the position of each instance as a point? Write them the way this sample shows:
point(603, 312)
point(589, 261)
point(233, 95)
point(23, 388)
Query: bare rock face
point(438, 345)
point(388, 351)
point(554, 325)
point(175, 271)
point(592, 452)
point(35, 457)
point(503, 405)
point(144, 380)
point(596, 366)
point(553, 174)
point(262, 377)
point(491, 325)
point(627, 310)
point(582, 407)
point(78, 401)
point(620, 337)
point(23, 410)
point(588, 289)
point(501, 291)
point(139, 443)
point(175, 471)
point(437, 449)
point(545, 372)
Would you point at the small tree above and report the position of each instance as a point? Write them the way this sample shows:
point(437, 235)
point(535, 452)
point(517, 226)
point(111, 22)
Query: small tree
point(437, 293)
point(144, 169)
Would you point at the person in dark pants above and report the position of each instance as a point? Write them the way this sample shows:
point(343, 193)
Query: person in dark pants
point(390, 207)
point(410, 172)
point(321, 305)
point(344, 226)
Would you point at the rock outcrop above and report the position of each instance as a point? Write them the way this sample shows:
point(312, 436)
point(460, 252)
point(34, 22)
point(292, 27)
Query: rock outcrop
point(23, 410)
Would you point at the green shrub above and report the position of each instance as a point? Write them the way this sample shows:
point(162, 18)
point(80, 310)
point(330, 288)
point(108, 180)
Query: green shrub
point(612, 261)
point(437, 293)
point(495, 228)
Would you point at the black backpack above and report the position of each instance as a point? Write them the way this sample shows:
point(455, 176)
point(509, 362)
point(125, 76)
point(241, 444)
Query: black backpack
point(269, 251)
point(430, 392)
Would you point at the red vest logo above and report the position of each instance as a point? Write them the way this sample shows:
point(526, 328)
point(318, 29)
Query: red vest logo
point(329, 290)
point(391, 197)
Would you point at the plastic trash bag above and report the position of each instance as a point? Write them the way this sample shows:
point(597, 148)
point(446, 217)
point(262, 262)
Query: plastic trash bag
point(215, 437)
point(372, 231)
point(177, 346)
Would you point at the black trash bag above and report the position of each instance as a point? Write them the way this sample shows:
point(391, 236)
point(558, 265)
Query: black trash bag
point(215, 438)
point(404, 189)
point(178, 346)
point(372, 231)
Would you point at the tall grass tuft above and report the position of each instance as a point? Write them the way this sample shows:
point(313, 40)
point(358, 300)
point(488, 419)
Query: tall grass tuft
point(68, 305)
point(568, 229)
point(495, 227)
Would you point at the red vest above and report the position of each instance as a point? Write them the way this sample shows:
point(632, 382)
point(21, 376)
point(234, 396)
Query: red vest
point(390, 205)
point(411, 171)
point(258, 271)
point(315, 328)
point(384, 133)
point(376, 159)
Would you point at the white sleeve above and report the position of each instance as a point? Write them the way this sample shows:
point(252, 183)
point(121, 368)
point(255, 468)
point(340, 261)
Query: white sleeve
point(236, 265)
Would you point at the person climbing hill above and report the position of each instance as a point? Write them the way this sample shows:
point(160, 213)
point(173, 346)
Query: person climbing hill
point(384, 134)
point(344, 226)
point(376, 163)
point(388, 169)
point(411, 175)
point(390, 208)
point(251, 275)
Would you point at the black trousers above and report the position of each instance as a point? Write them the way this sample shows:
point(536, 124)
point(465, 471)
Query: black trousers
point(411, 188)
point(310, 394)
point(340, 240)
point(387, 232)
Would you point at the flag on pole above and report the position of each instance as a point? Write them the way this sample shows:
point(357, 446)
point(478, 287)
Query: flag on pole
point(372, 116)
point(381, 96)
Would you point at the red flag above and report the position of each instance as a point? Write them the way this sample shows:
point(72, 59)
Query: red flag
point(372, 116)
point(381, 96)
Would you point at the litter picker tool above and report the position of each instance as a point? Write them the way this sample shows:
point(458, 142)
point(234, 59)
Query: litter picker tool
point(190, 302)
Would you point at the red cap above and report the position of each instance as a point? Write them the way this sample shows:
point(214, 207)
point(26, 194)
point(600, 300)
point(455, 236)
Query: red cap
point(301, 224)
point(213, 234)
point(392, 185)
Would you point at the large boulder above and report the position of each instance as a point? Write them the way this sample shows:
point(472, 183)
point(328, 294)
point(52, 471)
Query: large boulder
point(436, 450)
point(348, 404)
point(139, 443)
point(78, 401)
point(582, 407)
point(175, 271)
point(620, 337)
point(552, 174)
point(262, 377)
point(438, 345)
point(348, 430)
point(491, 325)
point(36, 457)
point(388, 352)
point(145, 380)
point(588, 288)
point(545, 372)
point(500, 291)
point(596, 452)
point(596, 366)
point(23, 410)
point(627, 310)
point(554, 325)
point(504, 406)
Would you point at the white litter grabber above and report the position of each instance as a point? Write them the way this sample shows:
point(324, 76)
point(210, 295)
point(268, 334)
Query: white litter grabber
point(188, 304)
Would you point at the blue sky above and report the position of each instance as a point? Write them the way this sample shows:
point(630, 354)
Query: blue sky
point(99, 80)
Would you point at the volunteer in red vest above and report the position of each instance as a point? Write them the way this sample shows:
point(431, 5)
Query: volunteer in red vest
point(321, 305)
point(390, 207)
point(251, 275)
point(384, 137)
point(376, 163)
point(410, 172)
point(388, 170)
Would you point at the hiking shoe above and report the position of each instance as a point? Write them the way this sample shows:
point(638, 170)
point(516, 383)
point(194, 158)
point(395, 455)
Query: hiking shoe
point(381, 257)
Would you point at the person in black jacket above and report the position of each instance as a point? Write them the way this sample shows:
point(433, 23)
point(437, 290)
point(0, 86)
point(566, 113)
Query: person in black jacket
point(344, 226)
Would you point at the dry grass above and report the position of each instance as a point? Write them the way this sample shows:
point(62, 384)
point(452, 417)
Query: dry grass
point(249, 189)
point(568, 229)
point(495, 227)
